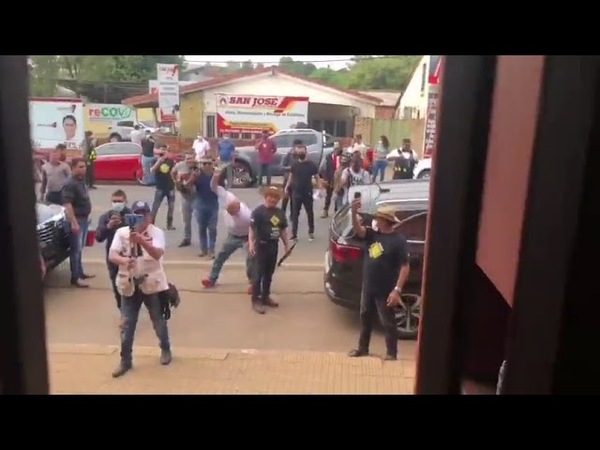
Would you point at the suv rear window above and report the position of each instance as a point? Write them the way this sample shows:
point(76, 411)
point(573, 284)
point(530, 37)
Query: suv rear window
point(412, 229)
point(307, 139)
point(342, 222)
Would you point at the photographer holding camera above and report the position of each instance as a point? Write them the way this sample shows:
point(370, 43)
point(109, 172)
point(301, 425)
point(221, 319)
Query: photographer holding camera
point(138, 249)
point(182, 175)
point(165, 187)
point(108, 224)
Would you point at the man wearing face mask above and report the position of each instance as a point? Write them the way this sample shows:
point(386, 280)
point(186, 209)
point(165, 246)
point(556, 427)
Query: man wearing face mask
point(108, 224)
point(300, 183)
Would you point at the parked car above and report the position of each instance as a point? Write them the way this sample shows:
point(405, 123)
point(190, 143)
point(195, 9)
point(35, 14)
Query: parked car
point(53, 237)
point(122, 130)
point(423, 169)
point(344, 257)
point(318, 145)
point(118, 161)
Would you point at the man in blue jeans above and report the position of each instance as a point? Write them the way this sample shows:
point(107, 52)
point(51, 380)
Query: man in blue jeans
point(207, 208)
point(237, 220)
point(138, 250)
point(226, 152)
point(164, 184)
point(78, 205)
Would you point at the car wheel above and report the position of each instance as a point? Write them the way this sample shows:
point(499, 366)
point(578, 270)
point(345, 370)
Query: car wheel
point(242, 175)
point(424, 175)
point(408, 316)
point(115, 138)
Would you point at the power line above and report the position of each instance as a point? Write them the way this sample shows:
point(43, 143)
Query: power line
point(370, 58)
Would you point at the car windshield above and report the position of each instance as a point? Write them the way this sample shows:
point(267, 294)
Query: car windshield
point(46, 212)
point(148, 123)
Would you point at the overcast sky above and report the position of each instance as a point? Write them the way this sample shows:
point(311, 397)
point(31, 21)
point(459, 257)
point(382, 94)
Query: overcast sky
point(333, 61)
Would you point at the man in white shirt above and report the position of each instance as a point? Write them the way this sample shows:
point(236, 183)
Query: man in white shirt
point(138, 249)
point(137, 135)
point(201, 147)
point(237, 217)
point(354, 175)
point(359, 146)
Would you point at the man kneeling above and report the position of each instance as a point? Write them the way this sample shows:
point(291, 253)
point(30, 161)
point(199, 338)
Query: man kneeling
point(138, 249)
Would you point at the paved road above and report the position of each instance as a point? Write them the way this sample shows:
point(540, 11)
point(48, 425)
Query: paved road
point(306, 252)
point(215, 319)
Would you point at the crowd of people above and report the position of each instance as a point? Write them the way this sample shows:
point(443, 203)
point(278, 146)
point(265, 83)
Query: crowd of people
point(135, 244)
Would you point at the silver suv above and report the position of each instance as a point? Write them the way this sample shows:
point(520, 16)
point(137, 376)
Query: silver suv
point(318, 144)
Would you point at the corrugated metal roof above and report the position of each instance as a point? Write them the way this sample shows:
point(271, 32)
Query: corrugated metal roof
point(389, 98)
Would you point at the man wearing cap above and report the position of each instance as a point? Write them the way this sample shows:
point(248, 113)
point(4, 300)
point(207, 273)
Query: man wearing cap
point(237, 221)
point(267, 226)
point(385, 271)
point(164, 184)
point(138, 251)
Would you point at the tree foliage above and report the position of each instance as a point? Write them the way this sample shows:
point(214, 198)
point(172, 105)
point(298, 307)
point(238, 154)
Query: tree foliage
point(391, 72)
point(46, 71)
point(364, 72)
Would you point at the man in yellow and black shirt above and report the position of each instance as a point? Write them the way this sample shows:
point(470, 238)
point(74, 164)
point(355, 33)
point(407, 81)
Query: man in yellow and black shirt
point(268, 225)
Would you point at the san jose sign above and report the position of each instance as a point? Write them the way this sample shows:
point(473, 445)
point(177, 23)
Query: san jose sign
point(108, 112)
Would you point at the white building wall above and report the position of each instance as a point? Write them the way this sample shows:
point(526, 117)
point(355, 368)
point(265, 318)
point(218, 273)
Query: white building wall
point(413, 104)
point(281, 85)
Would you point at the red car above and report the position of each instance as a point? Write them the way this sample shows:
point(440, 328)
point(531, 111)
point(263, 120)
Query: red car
point(118, 161)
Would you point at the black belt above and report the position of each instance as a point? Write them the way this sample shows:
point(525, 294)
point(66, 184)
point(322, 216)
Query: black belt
point(270, 241)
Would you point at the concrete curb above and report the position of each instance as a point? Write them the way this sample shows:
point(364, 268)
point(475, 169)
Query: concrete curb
point(215, 354)
point(183, 263)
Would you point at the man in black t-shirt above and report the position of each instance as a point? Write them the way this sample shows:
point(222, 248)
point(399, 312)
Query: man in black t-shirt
point(148, 159)
point(267, 226)
point(300, 183)
point(78, 207)
point(165, 186)
point(385, 272)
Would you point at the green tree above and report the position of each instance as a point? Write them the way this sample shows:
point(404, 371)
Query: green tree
point(338, 78)
point(133, 68)
point(386, 72)
point(298, 67)
point(247, 66)
point(43, 73)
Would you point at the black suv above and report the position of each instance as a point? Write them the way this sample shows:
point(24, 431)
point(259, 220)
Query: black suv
point(344, 257)
point(53, 238)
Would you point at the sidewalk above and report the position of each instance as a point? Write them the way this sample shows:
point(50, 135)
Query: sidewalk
point(86, 369)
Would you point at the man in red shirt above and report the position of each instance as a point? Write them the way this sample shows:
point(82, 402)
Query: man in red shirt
point(266, 149)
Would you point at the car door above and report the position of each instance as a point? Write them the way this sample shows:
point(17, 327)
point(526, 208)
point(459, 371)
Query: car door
point(284, 144)
point(102, 166)
point(413, 227)
point(112, 161)
point(126, 160)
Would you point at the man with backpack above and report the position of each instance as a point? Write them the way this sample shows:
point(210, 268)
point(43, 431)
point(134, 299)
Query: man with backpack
point(327, 173)
point(354, 175)
point(404, 164)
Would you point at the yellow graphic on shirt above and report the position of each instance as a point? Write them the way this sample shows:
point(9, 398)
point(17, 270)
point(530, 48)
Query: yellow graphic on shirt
point(375, 250)
point(274, 220)
point(164, 168)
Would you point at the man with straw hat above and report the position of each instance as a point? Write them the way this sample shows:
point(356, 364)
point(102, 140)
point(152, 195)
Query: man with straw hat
point(268, 225)
point(385, 271)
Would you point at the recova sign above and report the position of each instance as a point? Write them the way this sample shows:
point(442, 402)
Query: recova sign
point(110, 112)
